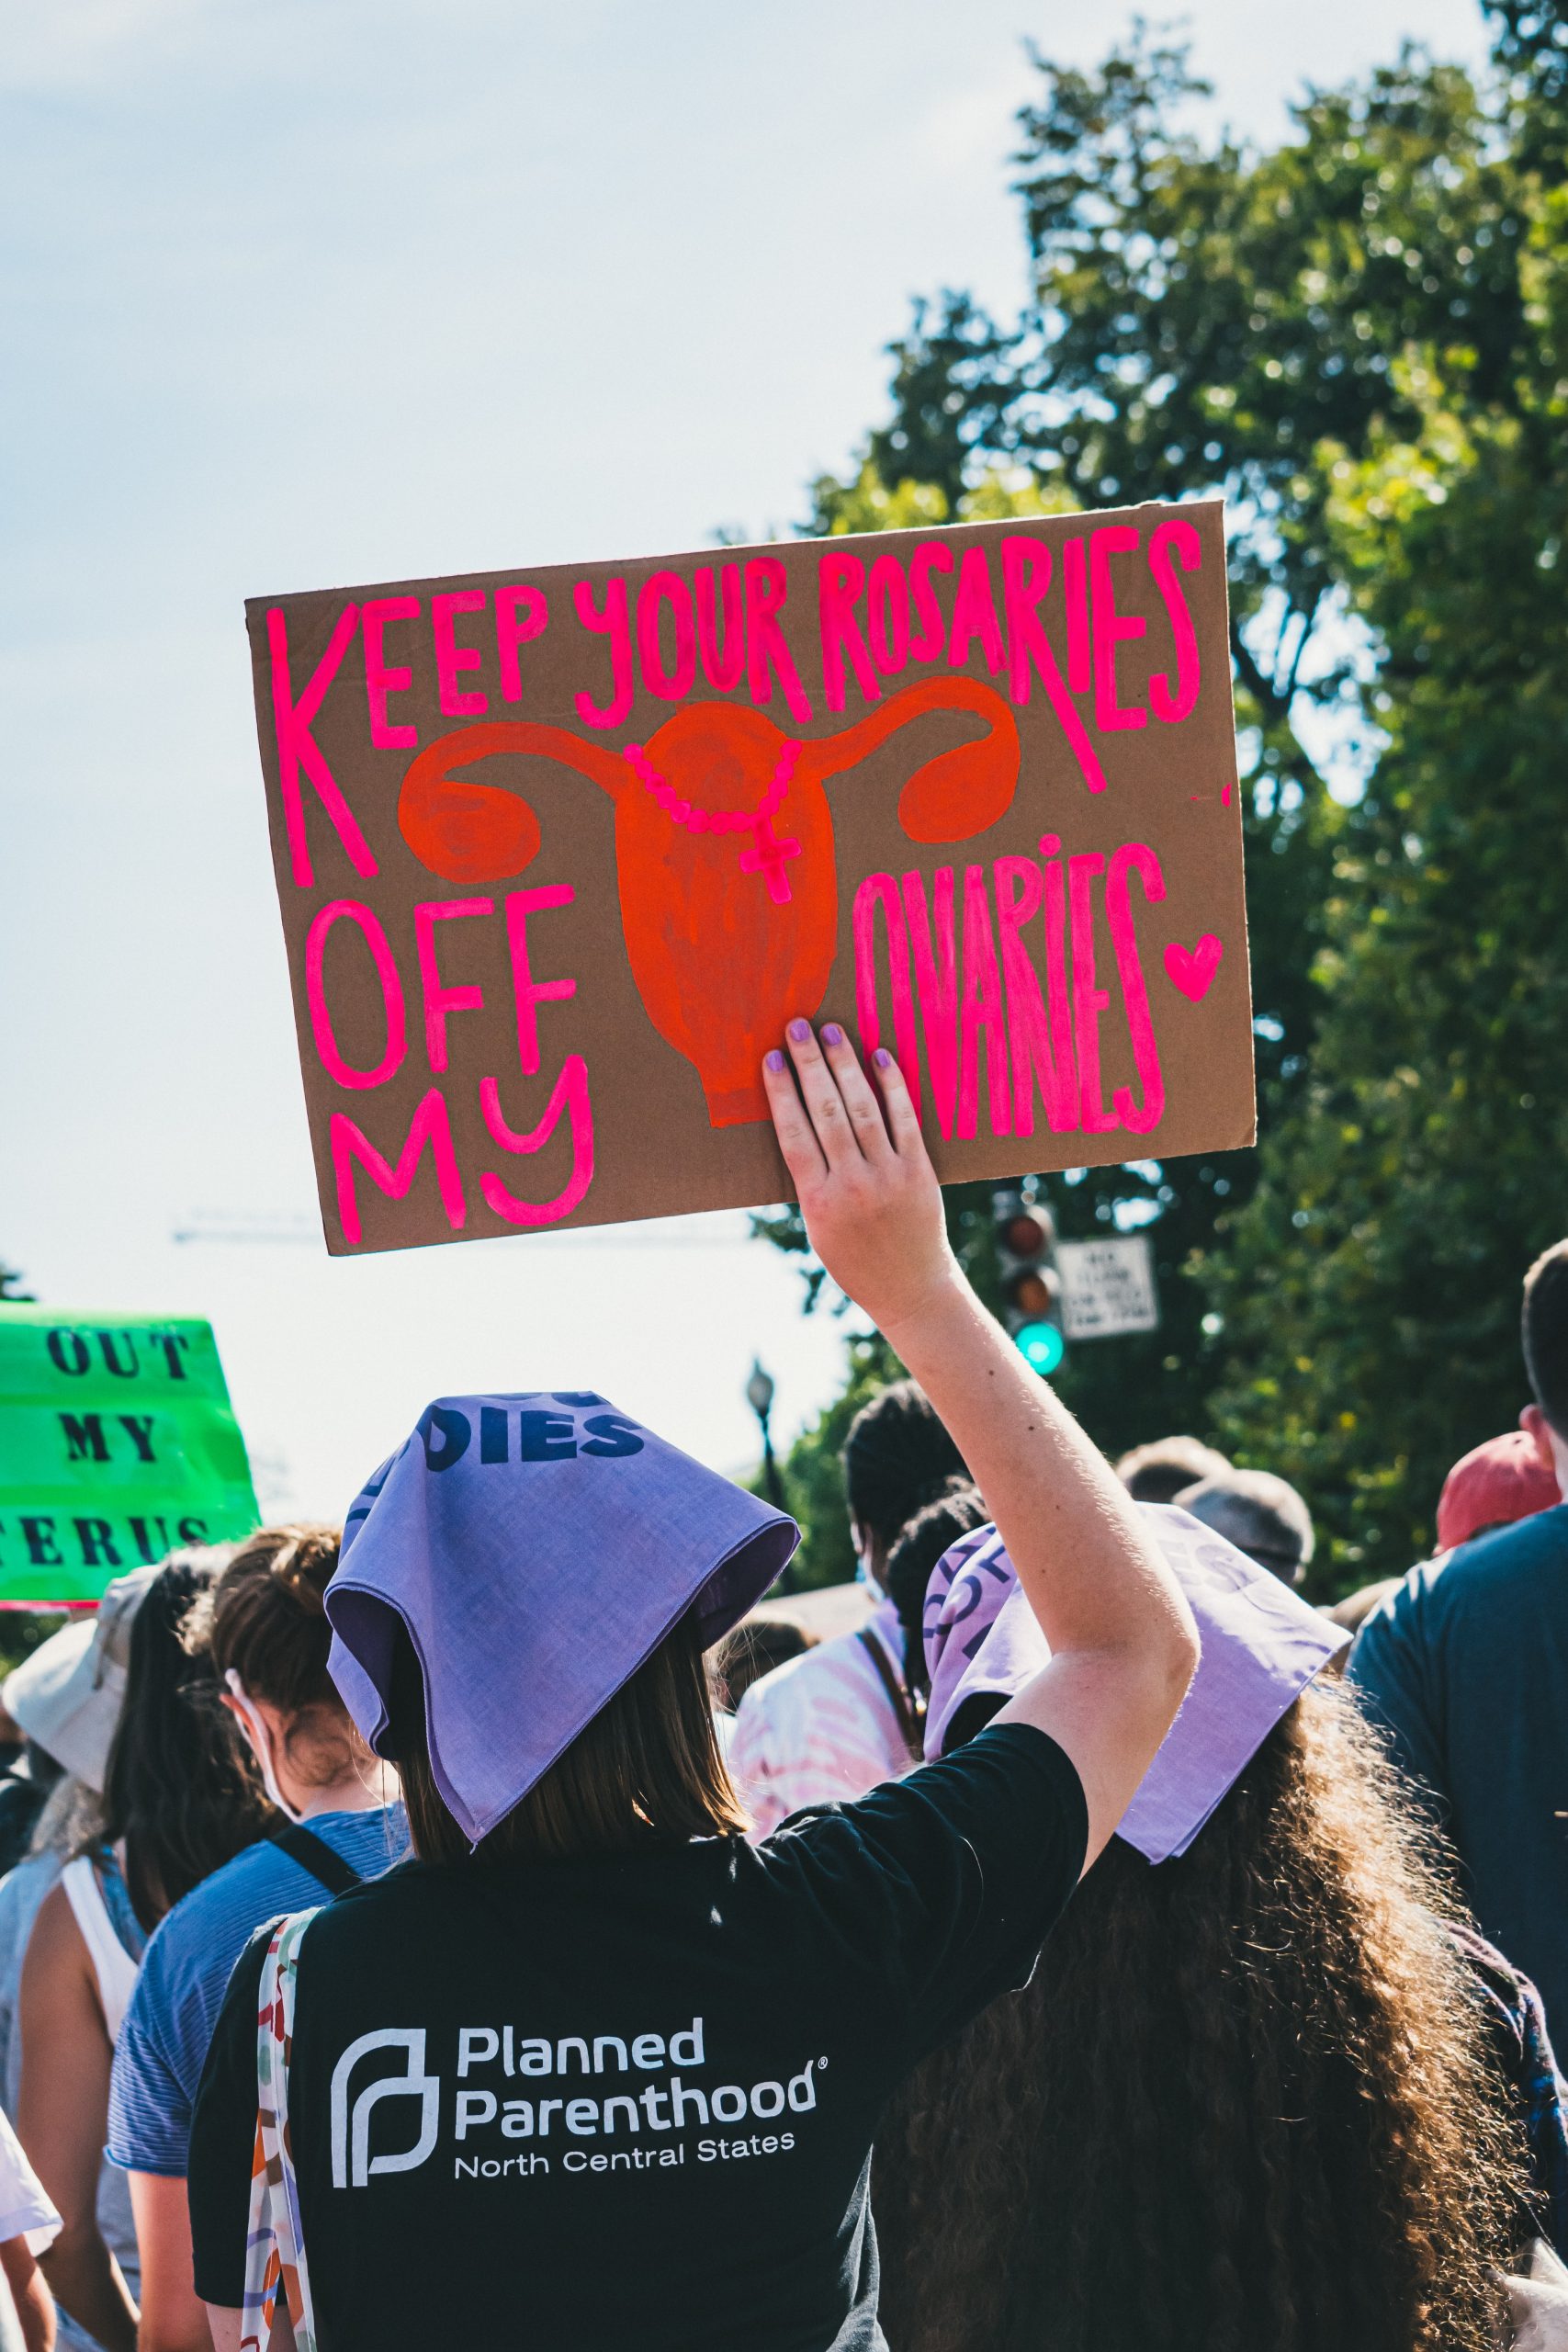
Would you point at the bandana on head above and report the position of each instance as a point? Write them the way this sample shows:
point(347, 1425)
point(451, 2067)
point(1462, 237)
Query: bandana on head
point(1261, 1644)
point(537, 1548)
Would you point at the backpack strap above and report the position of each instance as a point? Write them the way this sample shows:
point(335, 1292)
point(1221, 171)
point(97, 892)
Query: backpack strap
point(275, 2248)
point(313, 1854)
point(898, 1698)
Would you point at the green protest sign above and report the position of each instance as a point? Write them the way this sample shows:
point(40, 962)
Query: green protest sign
point(117, 1442)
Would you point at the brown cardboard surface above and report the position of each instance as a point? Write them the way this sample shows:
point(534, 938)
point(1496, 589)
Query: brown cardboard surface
point(533, 977)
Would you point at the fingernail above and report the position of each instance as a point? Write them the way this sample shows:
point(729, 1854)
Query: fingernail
point(832, 1035)
point(883, 1058)
point(774, 1060)
point(799, 1032)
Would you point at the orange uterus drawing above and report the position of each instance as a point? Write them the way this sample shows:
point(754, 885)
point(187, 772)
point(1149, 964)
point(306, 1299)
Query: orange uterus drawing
point(725, 857)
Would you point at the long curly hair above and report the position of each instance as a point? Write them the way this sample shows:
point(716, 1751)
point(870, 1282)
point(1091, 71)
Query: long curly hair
point(1245, 2104)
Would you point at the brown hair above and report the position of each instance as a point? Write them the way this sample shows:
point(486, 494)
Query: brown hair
point(264, 1618)
point(180, 1788)
point(1244, 2100)
point(1545, 1333)
point(646, 1768)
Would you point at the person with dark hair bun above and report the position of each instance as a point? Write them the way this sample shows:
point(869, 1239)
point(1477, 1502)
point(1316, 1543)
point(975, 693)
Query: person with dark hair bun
point(259, 1640)
point(897, 1458)
point(827, 1726)
point(180, 1797)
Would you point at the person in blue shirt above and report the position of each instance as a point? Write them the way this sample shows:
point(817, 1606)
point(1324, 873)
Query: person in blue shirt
point(1466, 1666)
point(263, 1628)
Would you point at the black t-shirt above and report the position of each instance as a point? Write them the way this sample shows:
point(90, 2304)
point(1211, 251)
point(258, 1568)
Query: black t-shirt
point(627, 2105)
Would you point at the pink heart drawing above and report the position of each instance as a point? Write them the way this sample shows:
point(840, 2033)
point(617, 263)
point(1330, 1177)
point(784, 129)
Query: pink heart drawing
point(1192, 968)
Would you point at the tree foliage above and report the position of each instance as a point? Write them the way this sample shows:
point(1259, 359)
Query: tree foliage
point(1356, 336)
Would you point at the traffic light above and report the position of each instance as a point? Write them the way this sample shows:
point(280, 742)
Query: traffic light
point(1031, 1287)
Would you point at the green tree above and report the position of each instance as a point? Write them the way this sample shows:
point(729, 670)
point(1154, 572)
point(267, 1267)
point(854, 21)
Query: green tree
point(1421, 1168)
point(1207, 316)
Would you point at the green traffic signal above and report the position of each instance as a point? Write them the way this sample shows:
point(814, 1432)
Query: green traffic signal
point(1042, 1346)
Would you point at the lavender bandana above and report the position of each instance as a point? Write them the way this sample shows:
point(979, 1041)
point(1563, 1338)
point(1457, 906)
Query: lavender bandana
point(538, 1548)
point(1261, 1647)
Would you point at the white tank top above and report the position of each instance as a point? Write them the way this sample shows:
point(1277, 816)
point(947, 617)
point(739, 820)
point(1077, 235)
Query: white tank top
point(112, 1964)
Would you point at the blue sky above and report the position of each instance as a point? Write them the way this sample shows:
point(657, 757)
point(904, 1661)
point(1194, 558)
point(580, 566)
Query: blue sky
point(302, 292)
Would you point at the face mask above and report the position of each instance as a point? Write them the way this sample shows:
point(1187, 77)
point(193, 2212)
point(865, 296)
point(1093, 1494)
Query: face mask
point(260, 1740)
point(865, 1574)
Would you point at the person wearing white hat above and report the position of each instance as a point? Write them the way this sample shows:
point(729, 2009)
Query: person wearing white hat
point(180, 1795)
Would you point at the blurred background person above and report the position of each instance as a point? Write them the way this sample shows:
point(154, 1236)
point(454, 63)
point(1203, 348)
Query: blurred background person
point(830, 1725)
point(181, 1796)
point(929, 1537)
point(1261, 1515)
point(1158, 1473)
point(1466, 1667)
point(1497, 1484)
point(29, 2225)
point(67, 1699)
point(261, 1638)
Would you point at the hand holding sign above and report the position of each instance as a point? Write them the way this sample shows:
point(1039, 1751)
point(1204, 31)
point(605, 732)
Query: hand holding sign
point(862, 1173)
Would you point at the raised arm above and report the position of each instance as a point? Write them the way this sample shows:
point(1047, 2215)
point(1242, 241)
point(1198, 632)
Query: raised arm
point(1122, 1640)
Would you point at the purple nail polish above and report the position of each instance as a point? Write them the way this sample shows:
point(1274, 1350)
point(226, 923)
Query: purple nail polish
point(832, 1035)
point(774, 1059)
point(883, 1058)
point(800, 1031)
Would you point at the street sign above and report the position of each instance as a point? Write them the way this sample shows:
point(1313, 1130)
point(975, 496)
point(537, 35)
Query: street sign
point(118, 1443)
point(1108, 1287)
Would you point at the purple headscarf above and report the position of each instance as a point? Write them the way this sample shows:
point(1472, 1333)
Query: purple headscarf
point(1261, 1647)
point(538, 1548)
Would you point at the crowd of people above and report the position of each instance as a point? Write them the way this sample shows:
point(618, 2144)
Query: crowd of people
point(485, 1924)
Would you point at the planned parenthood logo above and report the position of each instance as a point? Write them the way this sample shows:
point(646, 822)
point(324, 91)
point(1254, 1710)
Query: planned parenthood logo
point(352, 2161)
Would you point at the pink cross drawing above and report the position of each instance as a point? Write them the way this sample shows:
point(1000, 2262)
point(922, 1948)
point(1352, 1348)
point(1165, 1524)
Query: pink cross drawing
point(766, 856)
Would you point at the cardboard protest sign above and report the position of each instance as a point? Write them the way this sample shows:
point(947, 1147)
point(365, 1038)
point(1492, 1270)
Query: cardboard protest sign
point(560, 853)
point(118, 1443)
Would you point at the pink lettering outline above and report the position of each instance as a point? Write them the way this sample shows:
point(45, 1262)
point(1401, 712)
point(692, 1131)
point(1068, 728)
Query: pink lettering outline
point(880, 889)
point(676, 684)
point(1020, 891)
point(982, 1009)
point(1023, 560)
point(1181, 537)
point(1089, 1002)
point(1110, 627)
point(513, 629)
point(439, 999)
point(525, 989)
point(571, 1089)
point(975, 615)
point(380, 682)
point(887, 615)
point(931, 555)
point(1074, 595)
point(936, 978)
point(1058, 990)
point(298, 748)
point(722, 665)
point(612, 623)
point(430, 1125)
point(342, 1073)
point(1135, 993)
point(840, 576)
point(767, 585)
point(451, 657)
